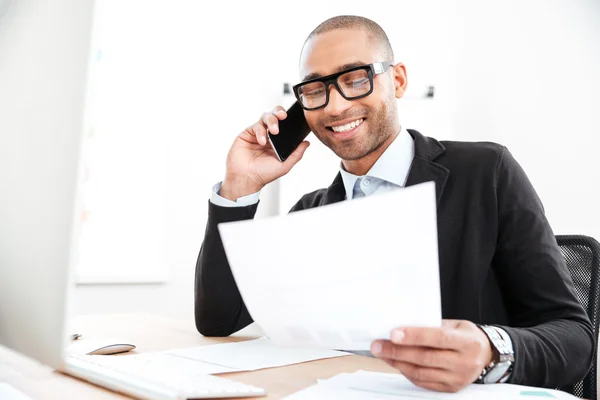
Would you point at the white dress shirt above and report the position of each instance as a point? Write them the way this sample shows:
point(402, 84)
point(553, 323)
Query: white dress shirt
point(389, 172)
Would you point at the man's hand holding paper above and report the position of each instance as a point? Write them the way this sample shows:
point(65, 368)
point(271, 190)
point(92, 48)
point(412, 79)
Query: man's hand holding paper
point(446, 359)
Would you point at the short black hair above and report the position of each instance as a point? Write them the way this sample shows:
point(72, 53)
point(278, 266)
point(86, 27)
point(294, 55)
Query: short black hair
point(355, 22)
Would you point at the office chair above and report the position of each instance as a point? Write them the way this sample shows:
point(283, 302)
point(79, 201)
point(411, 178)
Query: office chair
point(582, 254)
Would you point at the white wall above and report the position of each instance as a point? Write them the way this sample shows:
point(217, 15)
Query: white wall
point(520, 73)
point(527, 75)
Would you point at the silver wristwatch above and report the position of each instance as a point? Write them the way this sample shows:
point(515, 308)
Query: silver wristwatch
point(499, 370)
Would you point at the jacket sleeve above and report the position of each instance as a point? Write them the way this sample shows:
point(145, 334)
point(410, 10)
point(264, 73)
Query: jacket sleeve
point(551, 333)
point(219, 309)
point(218, 306)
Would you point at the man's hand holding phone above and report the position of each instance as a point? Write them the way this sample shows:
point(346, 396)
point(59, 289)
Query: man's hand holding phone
point(252, 163)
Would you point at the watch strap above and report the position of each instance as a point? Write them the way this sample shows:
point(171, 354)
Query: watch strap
point(501, 342)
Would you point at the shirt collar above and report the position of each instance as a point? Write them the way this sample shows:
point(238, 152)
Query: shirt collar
point(392, 166)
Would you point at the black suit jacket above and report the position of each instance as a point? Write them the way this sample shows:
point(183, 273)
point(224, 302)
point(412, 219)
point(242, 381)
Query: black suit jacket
point(499, 260)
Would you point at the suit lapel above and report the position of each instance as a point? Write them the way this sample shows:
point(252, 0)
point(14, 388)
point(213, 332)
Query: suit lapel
point(423, 168)
point(335, 192)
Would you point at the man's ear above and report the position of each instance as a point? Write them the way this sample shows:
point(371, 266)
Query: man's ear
point(400, 80)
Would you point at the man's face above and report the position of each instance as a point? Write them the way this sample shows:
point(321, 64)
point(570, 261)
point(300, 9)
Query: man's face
point(351, 128)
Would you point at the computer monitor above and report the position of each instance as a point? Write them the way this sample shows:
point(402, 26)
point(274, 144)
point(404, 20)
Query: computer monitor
point(44, 54)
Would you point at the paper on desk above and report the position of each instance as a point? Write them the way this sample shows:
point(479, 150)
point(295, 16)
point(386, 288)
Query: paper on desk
point(340, 275)
point(324, 392)
point(220, 358)
point(368, 385)
point(253, 354)
point(162, 360)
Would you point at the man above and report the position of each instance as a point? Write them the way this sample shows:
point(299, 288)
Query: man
point(509, 308)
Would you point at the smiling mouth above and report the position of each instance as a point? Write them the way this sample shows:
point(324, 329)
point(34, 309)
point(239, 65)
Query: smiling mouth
point(346, 127)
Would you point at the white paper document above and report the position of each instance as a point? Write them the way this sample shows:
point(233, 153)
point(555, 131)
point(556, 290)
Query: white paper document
point(157, 360)
point(363, 385)
point(253, 354)
point(341, 275)
point(249, 355)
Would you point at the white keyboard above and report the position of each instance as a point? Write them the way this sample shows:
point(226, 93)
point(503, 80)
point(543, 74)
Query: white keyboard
point(155, 380)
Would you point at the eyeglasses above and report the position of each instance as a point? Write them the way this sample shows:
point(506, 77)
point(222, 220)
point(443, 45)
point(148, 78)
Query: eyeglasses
point(352, 84)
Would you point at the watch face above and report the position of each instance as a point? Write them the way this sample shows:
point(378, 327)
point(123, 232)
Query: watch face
point(496, 373)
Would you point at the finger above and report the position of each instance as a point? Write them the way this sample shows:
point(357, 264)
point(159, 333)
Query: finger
point(296, 155)
point(422, 356)
point(271, 122)
point(441, 338)
point(416, 373)
point(260, 132)
point(280, 113)
point(384, 349)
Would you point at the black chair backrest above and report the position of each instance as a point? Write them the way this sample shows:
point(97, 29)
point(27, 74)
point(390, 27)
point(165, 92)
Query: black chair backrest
point(582, 254)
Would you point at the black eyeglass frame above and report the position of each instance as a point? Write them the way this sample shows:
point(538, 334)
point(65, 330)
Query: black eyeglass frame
point(372, 70)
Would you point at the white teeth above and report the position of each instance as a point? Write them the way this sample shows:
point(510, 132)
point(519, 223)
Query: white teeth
point(347, 127)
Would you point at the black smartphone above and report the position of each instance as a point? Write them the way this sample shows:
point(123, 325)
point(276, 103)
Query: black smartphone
point(292, 131)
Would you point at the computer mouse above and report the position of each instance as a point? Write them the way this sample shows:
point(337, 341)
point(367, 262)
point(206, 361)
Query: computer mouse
point(99, 347)
point(112, 349)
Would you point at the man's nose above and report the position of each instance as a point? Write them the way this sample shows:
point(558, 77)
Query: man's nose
point(337, 103)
